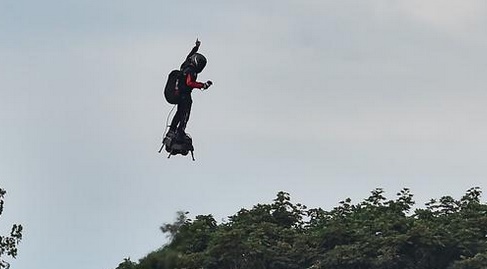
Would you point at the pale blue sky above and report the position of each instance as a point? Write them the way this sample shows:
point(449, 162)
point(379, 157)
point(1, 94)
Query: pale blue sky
point(322, 99)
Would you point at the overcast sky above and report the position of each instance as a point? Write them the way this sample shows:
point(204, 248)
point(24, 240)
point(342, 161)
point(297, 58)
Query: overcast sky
point(322, 99)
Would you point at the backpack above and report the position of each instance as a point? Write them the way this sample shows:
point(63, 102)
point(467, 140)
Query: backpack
point(172, 90)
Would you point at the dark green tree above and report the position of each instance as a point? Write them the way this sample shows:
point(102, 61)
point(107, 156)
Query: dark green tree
point(8, 244)
point(378, 233)
point(127, 264)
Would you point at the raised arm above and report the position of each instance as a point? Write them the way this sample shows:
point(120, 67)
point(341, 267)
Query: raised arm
point(195, 49)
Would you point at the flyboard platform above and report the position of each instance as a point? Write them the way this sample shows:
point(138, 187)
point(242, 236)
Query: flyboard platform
point(175, 144)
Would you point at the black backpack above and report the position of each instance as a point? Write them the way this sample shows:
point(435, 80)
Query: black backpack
point(172, 91)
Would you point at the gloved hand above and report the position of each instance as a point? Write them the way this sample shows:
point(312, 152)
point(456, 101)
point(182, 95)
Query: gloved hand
point(207, 84)
point(197, 43)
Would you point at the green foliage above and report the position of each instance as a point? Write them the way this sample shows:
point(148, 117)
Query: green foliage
point(8, 244)
point(375, 233)
point(172, 228)
point(127, 264)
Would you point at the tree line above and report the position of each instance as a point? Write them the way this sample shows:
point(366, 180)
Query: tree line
point(375, 233)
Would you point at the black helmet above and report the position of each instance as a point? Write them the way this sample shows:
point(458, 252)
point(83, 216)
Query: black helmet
point(198, 61)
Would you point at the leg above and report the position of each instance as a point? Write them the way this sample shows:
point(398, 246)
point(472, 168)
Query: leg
point(177, 118)
point(186, 103)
